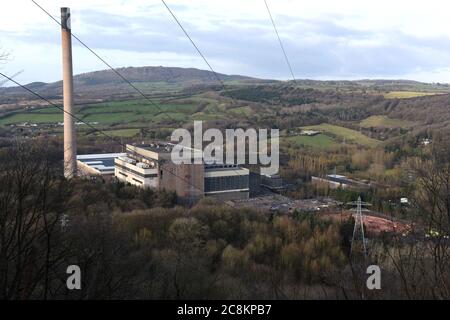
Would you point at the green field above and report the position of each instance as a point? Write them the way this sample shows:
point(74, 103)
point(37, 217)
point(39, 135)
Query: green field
point(407, 94)
point(32, 118)
point(385, 122)
point(242, 111)
point(350, 136)
point(111, 113)
point(126, 133)
point(138, 113)
point(320, 141)
point(206, 116)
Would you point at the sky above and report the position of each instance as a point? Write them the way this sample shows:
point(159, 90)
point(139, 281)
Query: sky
point(324, 39)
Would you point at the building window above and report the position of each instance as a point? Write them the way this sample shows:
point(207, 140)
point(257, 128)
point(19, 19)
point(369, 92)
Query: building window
point(226, 183)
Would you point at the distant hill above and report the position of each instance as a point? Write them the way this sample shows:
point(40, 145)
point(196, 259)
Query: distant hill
point(154, 74)
point(104, 82)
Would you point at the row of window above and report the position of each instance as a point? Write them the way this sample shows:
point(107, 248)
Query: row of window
point(226, 183)
point(151, 175)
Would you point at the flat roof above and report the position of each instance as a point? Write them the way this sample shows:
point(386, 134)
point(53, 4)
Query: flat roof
point(161, 147)
point(336, 176)
point(103, 162)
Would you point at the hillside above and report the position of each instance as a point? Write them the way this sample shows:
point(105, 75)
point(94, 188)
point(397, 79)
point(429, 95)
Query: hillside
point(366, 105)
point(105, 83)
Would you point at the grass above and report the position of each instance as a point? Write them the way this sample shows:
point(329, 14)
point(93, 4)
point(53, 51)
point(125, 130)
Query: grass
point(320, 141)
point(32, 118)
point(206, 116)
point(104, 118)
point(126, 133)
point(407, 94)
point(109, 113)
point(136, 113)
point(344, 133)
point(244, 111)
point(46, 110)
point(385, 122)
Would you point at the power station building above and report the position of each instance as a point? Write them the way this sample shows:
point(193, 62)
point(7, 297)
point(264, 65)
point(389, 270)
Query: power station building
point(150, 166)
point(97, 164)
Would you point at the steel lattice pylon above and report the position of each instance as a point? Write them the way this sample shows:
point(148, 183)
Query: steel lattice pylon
point(358, 230)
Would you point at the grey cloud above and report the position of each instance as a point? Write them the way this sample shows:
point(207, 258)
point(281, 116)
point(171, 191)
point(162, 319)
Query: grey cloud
point(251, 45)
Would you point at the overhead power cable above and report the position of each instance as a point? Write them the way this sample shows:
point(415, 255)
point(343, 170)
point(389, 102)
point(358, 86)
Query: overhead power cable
point(123, 77)
point(114, 139)
point(109, 66)
point(193, 43)
point(281, 43)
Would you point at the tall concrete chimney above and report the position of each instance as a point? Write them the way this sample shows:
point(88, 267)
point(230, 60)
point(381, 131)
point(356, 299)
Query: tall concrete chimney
point(70, 137)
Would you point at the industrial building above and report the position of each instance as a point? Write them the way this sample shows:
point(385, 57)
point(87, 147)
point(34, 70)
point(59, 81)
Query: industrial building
point(272, 182)
point(335, 181)
point(97, 164)
point(228, 182)
point(150, 166)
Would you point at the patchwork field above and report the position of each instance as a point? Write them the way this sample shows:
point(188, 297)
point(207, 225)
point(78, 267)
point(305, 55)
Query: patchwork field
point(350, 136)
point(137, 113)
point(109, 114)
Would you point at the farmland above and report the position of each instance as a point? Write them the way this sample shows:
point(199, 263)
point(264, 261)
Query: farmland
point(135, 113)
point(385, 122)
point(109, 114)
point(407, 94)
point(320, 141)
point(351, 136)
point(126, 133)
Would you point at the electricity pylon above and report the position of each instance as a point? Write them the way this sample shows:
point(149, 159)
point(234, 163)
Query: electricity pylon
point(358, 238)
point(358, 230)
point(358, 249)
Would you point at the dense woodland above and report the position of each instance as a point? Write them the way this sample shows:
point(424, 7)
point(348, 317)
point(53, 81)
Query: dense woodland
point(131, 243)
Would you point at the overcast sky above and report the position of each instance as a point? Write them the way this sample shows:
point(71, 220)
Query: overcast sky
point(324, 39)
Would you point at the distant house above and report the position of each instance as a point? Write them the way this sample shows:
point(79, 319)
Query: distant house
point(309, 133)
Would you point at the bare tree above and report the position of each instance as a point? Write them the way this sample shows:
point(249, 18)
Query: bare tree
point(31, 203)
point(421, 261)
point(3, 55)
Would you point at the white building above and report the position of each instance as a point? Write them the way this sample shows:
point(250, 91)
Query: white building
point(150, 166)
point(97, 164)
